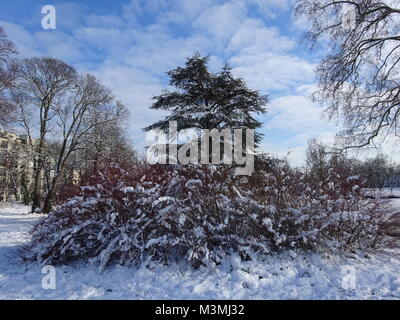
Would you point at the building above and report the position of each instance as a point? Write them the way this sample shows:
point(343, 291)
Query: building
point(16, 166)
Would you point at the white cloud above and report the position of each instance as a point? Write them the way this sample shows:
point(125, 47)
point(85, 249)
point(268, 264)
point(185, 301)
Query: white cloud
point(253, 37)
point(58, 44)
point(272, 71)
point(271, 8)
point(135, 89)
point(294, 113)
point(25, 42)
point(293, 120)
point(221, 21)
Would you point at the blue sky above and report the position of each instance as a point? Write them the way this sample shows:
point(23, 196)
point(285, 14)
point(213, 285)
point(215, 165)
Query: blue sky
point(130, 45)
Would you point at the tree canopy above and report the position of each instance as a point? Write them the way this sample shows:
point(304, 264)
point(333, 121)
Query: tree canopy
point(207, 100)
point(359, 79)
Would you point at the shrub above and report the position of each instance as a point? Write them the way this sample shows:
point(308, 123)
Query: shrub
point(162, 212)
point(203, 213)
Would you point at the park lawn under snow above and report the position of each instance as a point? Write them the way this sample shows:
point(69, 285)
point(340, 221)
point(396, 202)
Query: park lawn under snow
point(384, 192)
point(287, 276)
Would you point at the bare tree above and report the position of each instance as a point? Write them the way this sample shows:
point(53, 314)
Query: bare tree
point(317, 162)
point(40, 84)
point(376, 171)
point(87, 106)
point(359, 80)
point(7, 77)
point(61, 108)
point(104, 143)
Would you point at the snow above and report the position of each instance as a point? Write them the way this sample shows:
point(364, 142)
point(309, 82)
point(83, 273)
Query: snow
point(384, 192)
point(286, 276)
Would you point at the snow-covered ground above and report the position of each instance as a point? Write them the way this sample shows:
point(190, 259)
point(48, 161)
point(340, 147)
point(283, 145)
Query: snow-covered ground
point(288, 276)
point(384, 192)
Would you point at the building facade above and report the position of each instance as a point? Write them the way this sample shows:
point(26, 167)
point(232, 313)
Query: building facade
point(16, 167)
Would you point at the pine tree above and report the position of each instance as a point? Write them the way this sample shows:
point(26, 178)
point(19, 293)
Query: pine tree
point(206, 100)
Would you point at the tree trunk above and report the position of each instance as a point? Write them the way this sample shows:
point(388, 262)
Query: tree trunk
point(36, 192)
point(48, 201)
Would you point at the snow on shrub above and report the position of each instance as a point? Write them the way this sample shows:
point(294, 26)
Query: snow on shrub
point(336, 217)
point(162, 212)
point(203, 213)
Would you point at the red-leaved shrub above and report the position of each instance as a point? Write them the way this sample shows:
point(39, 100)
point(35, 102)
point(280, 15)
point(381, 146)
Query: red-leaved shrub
point(203, 213)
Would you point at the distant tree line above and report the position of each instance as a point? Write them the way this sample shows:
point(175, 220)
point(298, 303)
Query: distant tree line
point(378, 172)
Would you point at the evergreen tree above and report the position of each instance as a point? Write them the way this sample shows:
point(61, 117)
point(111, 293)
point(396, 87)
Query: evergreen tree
point(206, 100)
